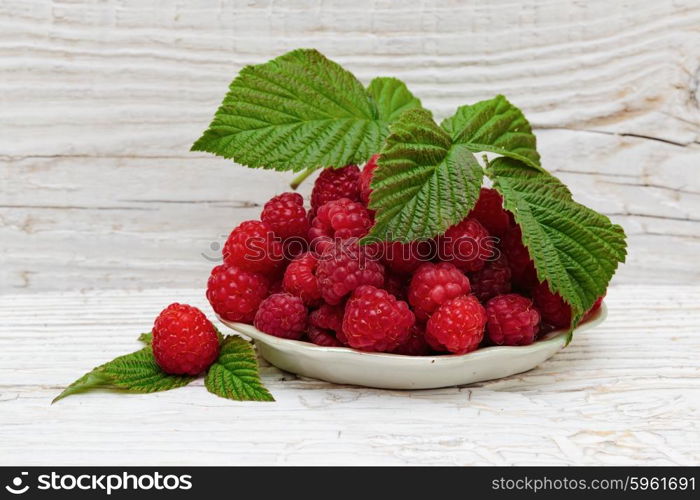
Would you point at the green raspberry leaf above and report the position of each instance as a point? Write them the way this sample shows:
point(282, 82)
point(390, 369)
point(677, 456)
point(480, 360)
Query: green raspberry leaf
point(235, 374)
point(497, 126)
point(146, 338)
point(392, 98)
point(575, 249)
point(300, 111)
point(136, 372)
point(423, 183)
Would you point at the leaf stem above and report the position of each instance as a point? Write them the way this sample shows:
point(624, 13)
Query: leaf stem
point(296, 182)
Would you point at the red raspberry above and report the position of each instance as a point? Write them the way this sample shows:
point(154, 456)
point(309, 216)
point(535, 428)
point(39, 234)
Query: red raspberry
point(300, 280)
point(491, 280)
point(282, 315)
point(415, 344)
point(366, 179)
point(184, 340)
point(522, 268)
point(596, 305)
point(286, 216)
point(335, 183)
point(252, 246)
point(375, 320)
point(235, 293)
point(396, 285)
point(457, 326)
point(322, 337)
point(490, 213)
point(512, 320)
point(344, 267)
point(275, 287)
point(328, 317)
point(341, 219)
point(467, 245)
point(433, 285)
point(405, 258)
point(553, 310)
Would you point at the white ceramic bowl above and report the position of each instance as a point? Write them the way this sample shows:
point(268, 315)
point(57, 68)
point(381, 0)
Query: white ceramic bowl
point(343, 365)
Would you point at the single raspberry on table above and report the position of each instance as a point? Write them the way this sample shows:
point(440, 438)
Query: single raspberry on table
point(375, 321)
point(522, 268)
point(433, 285)
point(511, 320)
point(286, 216)
point(322, 337)
point(490, 213)
point(342, 218)
point(415, 344)
point(282, 315)
point(328, 317)
point(253, 246)
point(345, 266)
point(491, 280)
point(235, 293)
point(467, 245)
point(457, 326)
point(405, 258)
point(335, 183)
point(184, 340)
point(366, 179)
point(553, 310)
point(300, 279)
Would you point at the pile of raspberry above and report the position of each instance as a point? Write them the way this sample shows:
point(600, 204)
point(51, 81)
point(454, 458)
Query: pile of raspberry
point(301, 273)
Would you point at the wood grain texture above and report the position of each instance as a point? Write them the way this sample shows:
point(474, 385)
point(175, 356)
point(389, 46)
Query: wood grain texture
point(627, 392)
point(100, 102)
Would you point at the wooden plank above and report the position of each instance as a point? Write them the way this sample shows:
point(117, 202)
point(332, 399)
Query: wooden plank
point(100, 102)
point(625, 393)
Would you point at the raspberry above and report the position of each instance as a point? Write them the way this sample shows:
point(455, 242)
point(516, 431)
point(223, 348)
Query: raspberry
point(282, 315)
point(286, 216)
point(467, 245)
point(252, 246)
point(342, 218)
point(335, 183)
point(491, 280)
point(415, 344)
point(553, 310)
point(300, 280)
point(522, 268)
point(322, 337)
point(235, 293)
point(184, 340)
point(490, 213)
point(344, 267)
point(457, 326)
point(433, 285)
point(596, 305)
point(328, 317)
point(405, 258)
point(396, 285)
point(512, 320)
point(275, 287)
point(375, 320)
point(366, 179)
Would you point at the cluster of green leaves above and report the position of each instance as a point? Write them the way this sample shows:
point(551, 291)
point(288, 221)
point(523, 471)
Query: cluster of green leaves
point(234, 375)
point(302, 111)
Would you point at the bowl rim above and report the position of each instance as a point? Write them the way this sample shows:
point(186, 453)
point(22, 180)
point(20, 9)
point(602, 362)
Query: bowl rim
point(308, 347)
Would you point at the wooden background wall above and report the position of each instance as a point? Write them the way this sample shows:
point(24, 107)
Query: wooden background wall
point(100, 101)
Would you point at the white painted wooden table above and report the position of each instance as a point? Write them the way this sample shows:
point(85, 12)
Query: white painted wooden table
point(625, 393)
